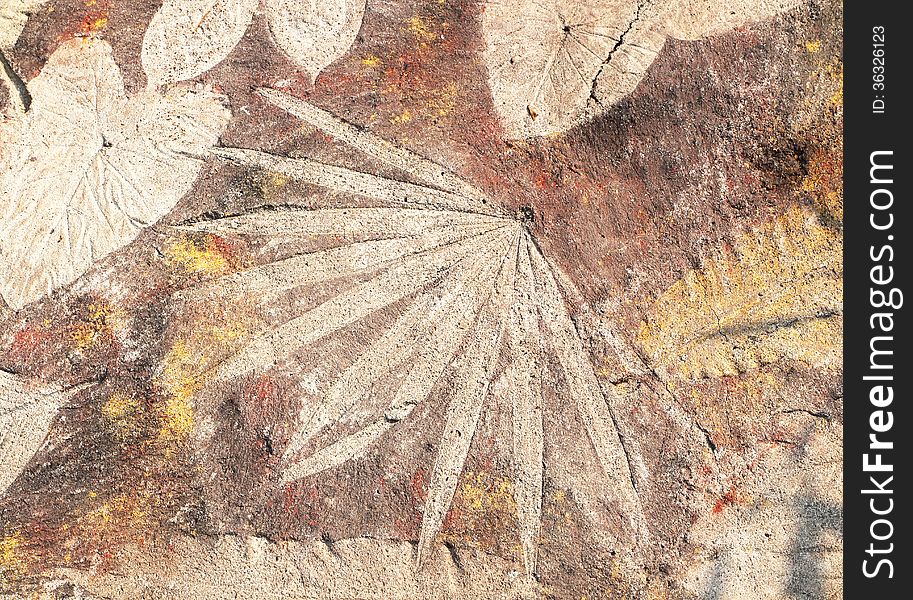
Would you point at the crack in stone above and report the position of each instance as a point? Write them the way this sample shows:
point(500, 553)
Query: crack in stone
point(811, 413)
point(768, 327)
point(618, 44)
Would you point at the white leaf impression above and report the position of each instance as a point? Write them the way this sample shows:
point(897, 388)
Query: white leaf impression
point(13, 16)
point(188, 37)
point(26, 415)
point(86, 168)
point(477, 296)
point(314, 33)
point(554, 63)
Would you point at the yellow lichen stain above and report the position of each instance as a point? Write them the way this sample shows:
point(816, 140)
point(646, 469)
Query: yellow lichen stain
point(442, 102)
point(102, 524)
point(372, 60)
point(178, 417)
point(83, 337)
point(433, 104)
point(118, 406)
point(813, 46)
point(836, 99)
point(481, 492)
point(272, 186)
point(121, 412)
point(776, 294)
point(92, 23)
point(193, 257)
point(402, 118)
point(98, 23)
point(830, 75)
point(483, 513)
point(421, 27)
point(227, 333)
point(121, 511)
point(182, 374)
point(100, 321)
point(180, 380)
point(12, 560)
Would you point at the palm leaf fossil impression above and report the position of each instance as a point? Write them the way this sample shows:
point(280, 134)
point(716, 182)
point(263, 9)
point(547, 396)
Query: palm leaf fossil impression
point(475, 287)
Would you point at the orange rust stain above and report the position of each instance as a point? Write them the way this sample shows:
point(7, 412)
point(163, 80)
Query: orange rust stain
point(727, 499)
point(545, 181)
point(338, 82)
point(94, 22)
point(203, 18)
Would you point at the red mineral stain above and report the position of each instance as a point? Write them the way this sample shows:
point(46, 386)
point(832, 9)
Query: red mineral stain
point(291, 501)
point(27, 340)
point(264, 388)
point(546, 181)
point(225, 247)
point(419, 488)
point(728, 499)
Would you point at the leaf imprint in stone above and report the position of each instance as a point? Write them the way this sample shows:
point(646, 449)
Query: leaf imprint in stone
point(476, 297)
point(188, 37)
point(554, 63)
point(314, 33)
point(13, 16)
point(86, 168)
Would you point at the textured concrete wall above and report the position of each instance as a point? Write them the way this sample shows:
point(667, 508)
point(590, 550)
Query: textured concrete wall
point(399, 299)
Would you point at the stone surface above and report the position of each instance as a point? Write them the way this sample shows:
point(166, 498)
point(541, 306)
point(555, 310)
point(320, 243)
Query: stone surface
point(361, 320)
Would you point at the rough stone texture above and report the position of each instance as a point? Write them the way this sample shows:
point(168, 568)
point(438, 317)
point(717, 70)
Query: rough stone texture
point(673, 321)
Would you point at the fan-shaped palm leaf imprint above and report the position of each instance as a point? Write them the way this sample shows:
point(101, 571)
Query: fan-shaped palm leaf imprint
point(478, 296)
